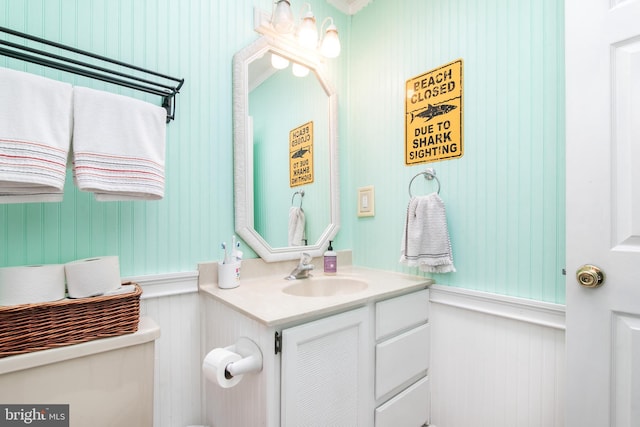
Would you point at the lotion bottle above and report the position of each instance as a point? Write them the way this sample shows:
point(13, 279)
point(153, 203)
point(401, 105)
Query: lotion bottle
point(330, 261)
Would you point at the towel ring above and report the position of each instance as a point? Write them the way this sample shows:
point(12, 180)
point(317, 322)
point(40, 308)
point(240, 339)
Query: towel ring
point(301, 193)
point(429, 174)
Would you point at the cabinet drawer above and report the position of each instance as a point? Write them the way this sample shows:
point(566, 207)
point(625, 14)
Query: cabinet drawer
point(409, 408)
point(403, 312)
point(401, 359)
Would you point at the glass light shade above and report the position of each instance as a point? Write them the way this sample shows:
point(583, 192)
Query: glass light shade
point(279, 62)
point(299, 70)
point(308, 32)
point(282, 19)
point(331, 43)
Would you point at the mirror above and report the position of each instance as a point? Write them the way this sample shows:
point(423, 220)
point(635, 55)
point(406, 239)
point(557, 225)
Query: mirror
point(285, 144)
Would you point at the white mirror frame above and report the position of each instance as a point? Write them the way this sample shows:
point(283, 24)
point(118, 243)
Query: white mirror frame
point(243, 149)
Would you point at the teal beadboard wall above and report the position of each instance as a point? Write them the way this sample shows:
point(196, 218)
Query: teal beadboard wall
point(505, 196)
point(192, 39)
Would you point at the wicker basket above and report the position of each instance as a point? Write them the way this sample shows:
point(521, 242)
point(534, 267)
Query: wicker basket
point(31, 327)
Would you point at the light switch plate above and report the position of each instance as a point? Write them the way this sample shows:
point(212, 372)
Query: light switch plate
point(366, 201)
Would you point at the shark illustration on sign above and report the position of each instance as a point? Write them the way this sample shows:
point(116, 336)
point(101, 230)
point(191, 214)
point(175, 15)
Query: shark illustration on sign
point(301, 152)
point(433, 111)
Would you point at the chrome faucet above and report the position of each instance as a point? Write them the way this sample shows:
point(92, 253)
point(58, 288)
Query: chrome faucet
point(303, 268)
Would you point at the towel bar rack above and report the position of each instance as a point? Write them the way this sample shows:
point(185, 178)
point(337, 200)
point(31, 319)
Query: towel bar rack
point(429, 174)
point(25, 53)
point(301, 193)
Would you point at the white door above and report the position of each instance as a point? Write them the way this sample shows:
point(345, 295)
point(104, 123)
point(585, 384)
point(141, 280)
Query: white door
point(603, 211)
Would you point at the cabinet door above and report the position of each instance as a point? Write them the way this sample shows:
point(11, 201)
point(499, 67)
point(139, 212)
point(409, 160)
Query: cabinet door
point(325, 366)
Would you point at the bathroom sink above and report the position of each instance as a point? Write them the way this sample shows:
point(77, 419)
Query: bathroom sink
point(325, 287)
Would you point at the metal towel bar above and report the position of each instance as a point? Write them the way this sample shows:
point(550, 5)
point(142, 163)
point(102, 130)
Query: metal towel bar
point(25, 53)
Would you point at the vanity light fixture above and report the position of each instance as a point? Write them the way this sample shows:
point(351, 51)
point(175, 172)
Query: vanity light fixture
point(299, 70)
point(278, 62)
point(306, 34)
point(308, 31)
point(330, 44)
point(282, 19)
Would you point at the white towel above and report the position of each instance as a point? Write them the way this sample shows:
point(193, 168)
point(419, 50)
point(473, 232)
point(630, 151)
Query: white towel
point(425, 241)
point(35, 134)
point(296, 226)
point(118, 146)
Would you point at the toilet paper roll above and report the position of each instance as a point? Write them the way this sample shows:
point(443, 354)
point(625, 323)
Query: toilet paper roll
point(31, 284)
point(92, 276)
point(215, 364)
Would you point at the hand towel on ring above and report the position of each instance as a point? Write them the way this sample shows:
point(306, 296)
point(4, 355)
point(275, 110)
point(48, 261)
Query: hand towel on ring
point(296, 232)
point(425, 241)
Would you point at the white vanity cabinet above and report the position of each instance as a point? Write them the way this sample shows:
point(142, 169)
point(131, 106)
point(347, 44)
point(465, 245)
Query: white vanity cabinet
point(359, 364)
point(325, 378)
point(402, 391)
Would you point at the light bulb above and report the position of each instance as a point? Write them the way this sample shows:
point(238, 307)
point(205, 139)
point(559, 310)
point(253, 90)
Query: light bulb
point(279, 62)
point(331, 43)
point(299, 70)
point(282, 19)
point(308, 32)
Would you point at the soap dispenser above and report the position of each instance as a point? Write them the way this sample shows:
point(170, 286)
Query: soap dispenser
point(330, 261)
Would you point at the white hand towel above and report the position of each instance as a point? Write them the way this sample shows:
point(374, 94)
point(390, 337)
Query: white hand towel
point(296, 226)
point(425, 241)
point(118, 146)
point(35, 134)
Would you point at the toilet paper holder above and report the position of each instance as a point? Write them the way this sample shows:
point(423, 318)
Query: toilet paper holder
point(251, 358)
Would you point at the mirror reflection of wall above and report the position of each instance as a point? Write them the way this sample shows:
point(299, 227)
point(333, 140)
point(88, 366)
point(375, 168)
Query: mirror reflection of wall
point(267, 105)
point(279, 104)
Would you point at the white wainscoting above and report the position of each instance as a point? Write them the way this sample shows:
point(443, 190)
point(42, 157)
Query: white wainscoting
point(496, 361)
point(172, 301)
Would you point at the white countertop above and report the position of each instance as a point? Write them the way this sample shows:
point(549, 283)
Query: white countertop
point(262, 299)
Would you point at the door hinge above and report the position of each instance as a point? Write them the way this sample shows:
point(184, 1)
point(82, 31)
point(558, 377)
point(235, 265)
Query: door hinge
point(278, 343)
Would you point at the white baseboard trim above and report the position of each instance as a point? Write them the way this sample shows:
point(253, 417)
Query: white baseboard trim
point(526, 310)
point(162, 285)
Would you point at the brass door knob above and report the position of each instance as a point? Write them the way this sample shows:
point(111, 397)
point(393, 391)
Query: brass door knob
point(590, 276)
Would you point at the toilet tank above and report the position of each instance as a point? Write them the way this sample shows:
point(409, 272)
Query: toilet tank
point(106, 382)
